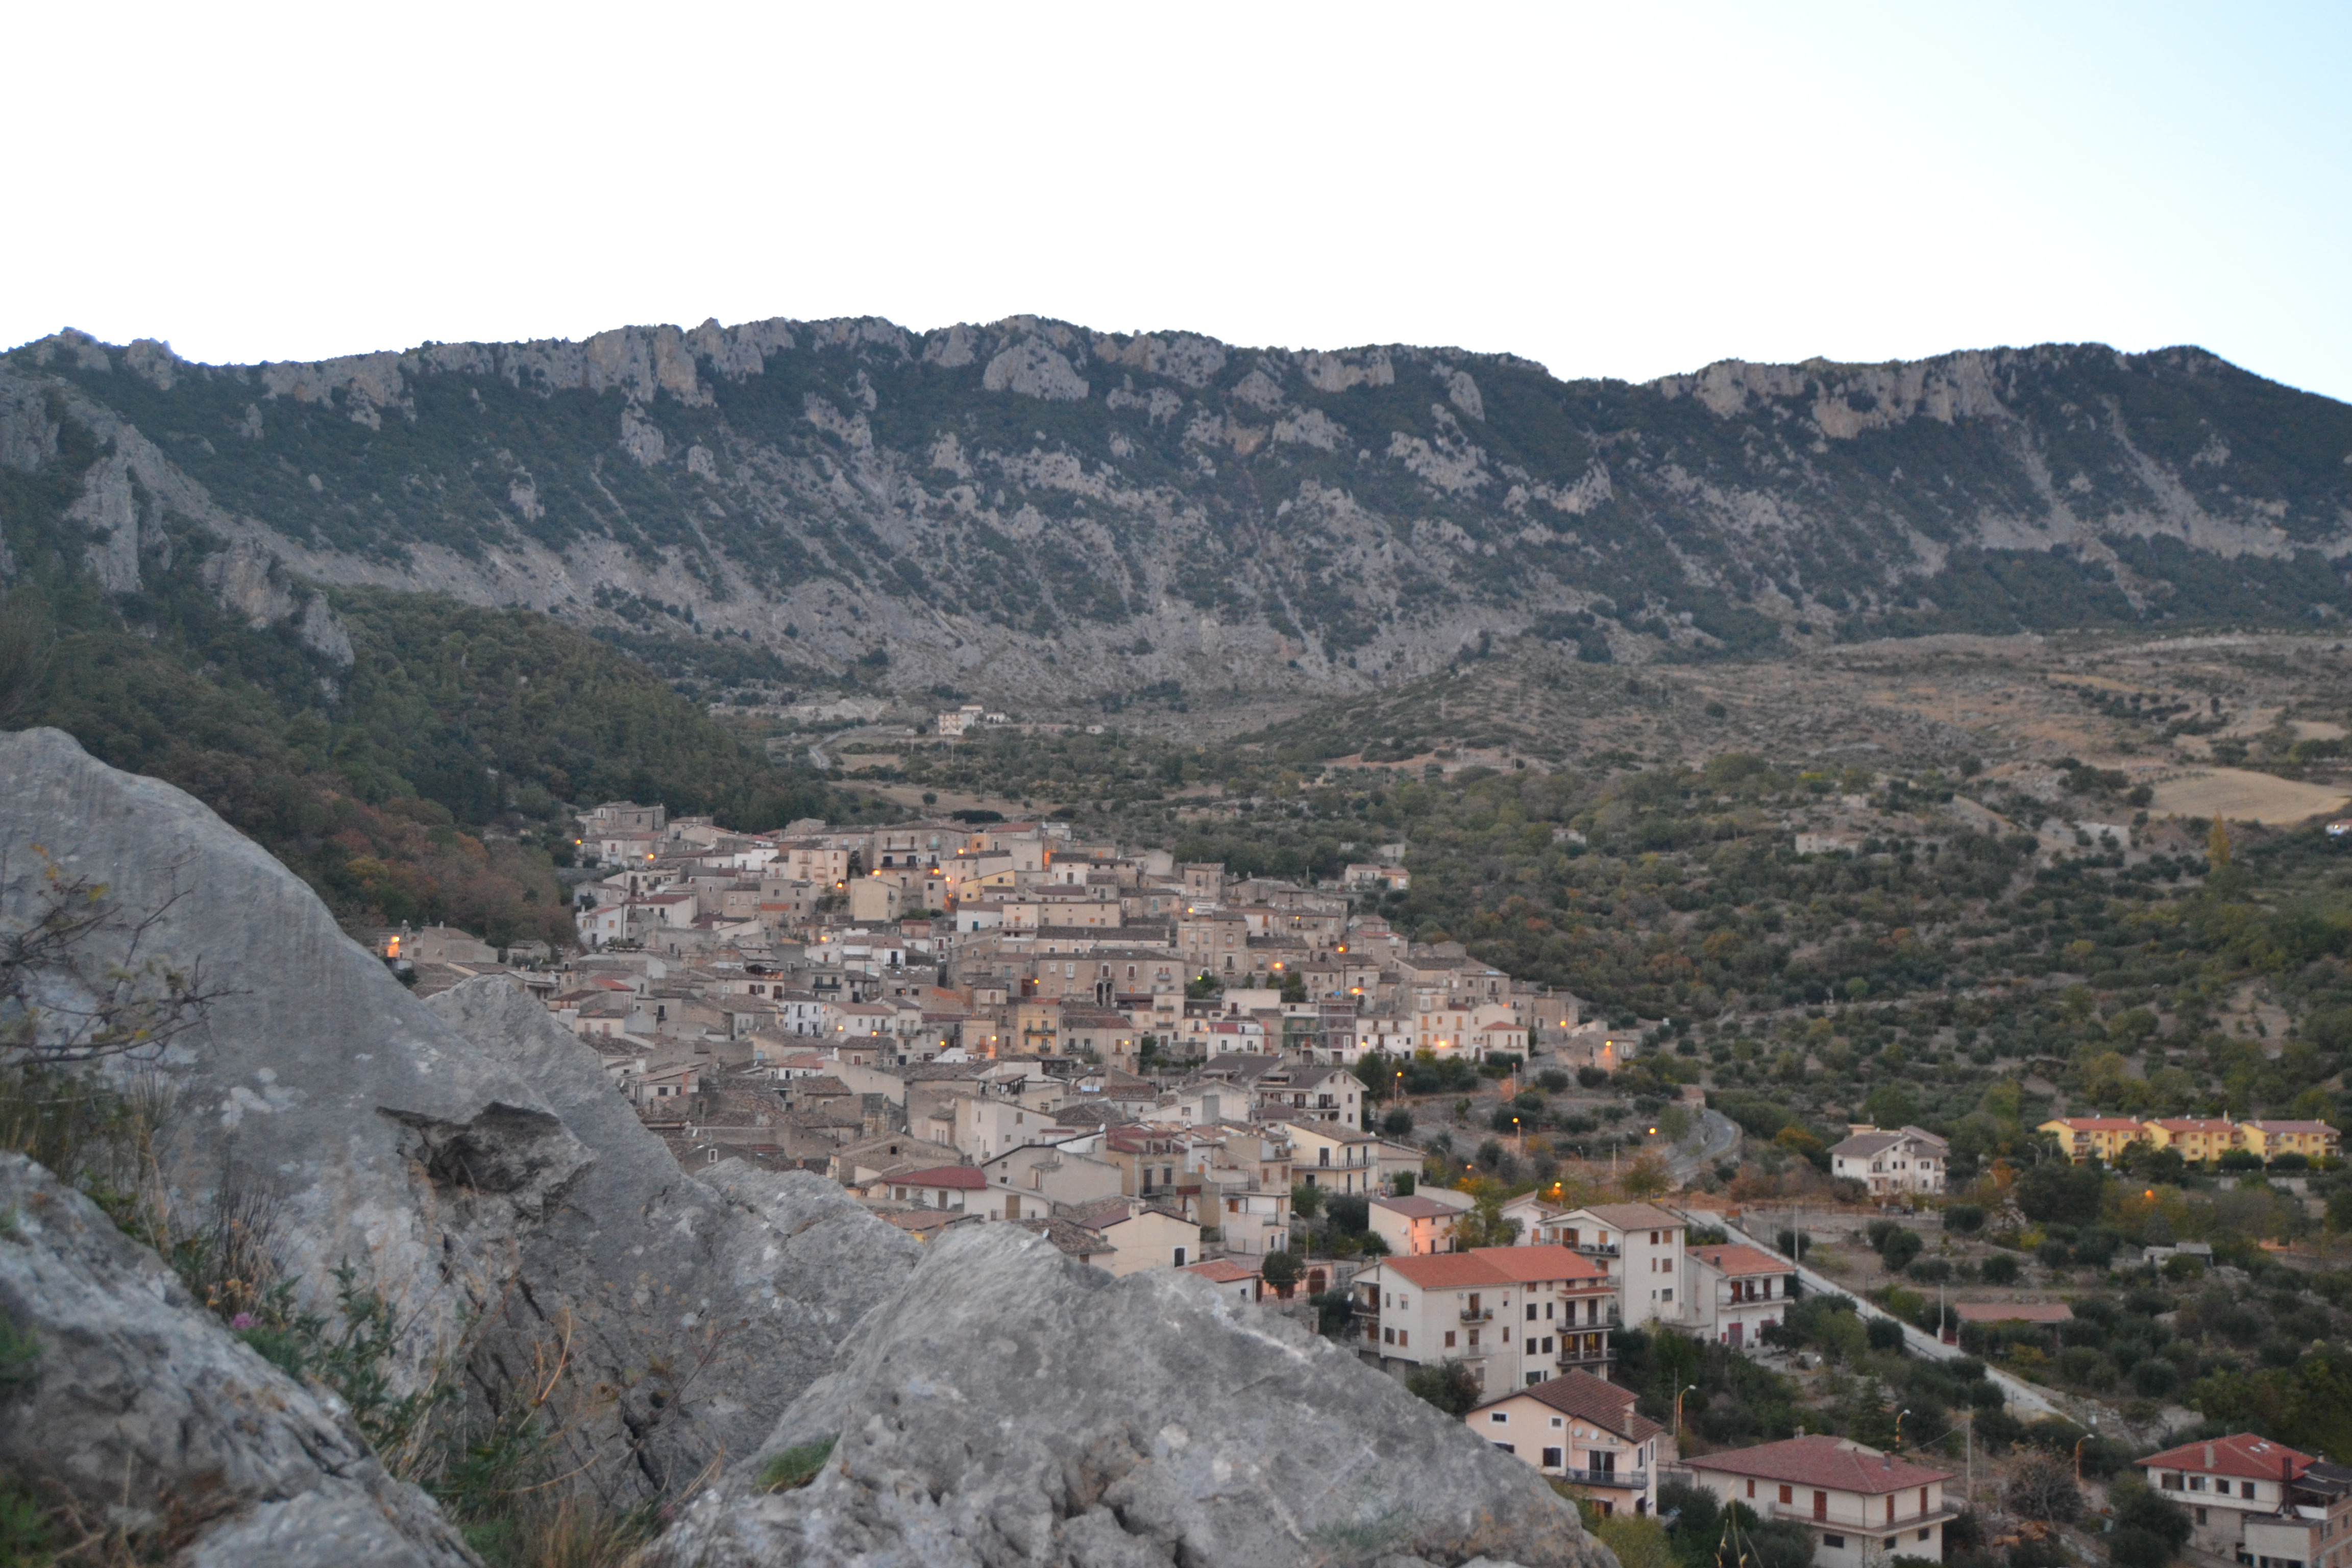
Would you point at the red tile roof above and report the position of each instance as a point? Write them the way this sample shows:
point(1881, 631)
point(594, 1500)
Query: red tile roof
point(1220, 1271)
point(1833, 1464)
point(1528, 1265)
point(1448, 1271)
point(2239, 1454)
point(2292, 1126)
point(962, 1176)
point(2100, 1124)
point(1741, 1260)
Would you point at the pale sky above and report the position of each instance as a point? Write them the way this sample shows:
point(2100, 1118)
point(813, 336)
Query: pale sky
point(1619, 191)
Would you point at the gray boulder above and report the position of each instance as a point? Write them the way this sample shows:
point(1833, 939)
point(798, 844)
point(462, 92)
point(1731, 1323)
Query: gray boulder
point(141, 1407)
point(1013, 1405)
point(381, 1136)
point(466, 1156)
point(703, 1306)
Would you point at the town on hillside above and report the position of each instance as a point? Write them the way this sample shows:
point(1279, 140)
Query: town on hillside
point(1159, 1066)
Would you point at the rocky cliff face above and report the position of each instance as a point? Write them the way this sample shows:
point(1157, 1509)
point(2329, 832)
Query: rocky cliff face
point(1029, 507)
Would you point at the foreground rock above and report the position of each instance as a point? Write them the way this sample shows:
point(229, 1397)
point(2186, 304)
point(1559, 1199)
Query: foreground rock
point(704, 1306)
point(471, 1162)
point(140, 1407)
point(1012, 1405)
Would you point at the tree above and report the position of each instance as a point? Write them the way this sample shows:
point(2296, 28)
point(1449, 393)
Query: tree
point(1648, 1177)
point(2216, 845)
point(1397, 1122)
point(1449, 1385)
point(2000, 1269)
point(2042, 1488)
point(2057, 1192)
point(1638, 1542)
point(1485, 1224)
point(1306, 1202)
point(1281, 1270)
point(2148, 1530)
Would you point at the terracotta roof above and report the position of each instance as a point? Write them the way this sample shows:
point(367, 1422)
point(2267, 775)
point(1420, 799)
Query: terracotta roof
point(1588, 1398)
point(2194, 1124)
point(1833, 1464)
point(1739, 1259)
point(1415, 1207)
point(967, 1177)
point(2014, 1312)
point(1219, 1271)
point(1449, 1271)
point(2292, 1126)
point(1526, 1265)
point(2239, 1454)
point(2100, 1124)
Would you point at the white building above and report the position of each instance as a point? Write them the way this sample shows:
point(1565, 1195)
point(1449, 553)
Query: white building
point(1864, 1508)
point(2228, 1486)
point(1513, 1315)
point(1641, 1246)
point(1736, 1292)
point(1911, 1160)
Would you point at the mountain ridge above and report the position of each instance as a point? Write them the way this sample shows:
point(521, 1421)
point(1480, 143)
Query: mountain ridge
point(1028, 508)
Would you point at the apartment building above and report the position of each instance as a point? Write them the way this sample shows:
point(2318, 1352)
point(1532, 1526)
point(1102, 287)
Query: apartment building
point(1641, 1246)
point(1578, 1429)
point(2227, 1486)
point(2103, 1138)
point(1513, 1315)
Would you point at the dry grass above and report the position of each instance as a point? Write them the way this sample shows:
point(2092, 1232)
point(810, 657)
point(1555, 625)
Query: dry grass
point(2243, 797)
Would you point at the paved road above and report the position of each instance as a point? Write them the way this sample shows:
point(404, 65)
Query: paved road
point(1717, 1136)
point(2026, 1396)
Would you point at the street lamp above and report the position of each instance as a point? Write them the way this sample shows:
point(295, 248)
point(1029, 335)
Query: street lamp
point(1898, 1429)
point(1679, 1392)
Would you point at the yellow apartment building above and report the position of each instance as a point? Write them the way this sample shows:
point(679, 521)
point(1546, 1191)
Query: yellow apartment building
point(2105, 1136)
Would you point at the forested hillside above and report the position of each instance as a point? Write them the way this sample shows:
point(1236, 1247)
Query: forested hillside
point(409, 756)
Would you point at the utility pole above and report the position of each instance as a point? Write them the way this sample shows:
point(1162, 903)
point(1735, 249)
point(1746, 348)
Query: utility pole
point(1968, 1447)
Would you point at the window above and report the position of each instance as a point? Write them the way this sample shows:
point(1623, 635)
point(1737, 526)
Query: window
point(2200, 1515)
point(1890, 1507)
point(1531, 1348)
point(1788, 1494)
point(1498, 1417)
point(1506, 1447)
point(2196, 1483)
point(1820, 1504)
point(1751, 1489)
point(1531, 1318)
point(1834, 1543)
point(1551, 1460)
point(2170, 1483)
point(2246, 1489)
point(1556, 1423)
point(1403, 1335)
point(1009, 1202)
point(1388, 1336)
point(1449, 1339)
point(1925, 1533)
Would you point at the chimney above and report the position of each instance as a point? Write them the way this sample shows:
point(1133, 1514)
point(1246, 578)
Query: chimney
point(1885, 1461)
point(2209, 1455)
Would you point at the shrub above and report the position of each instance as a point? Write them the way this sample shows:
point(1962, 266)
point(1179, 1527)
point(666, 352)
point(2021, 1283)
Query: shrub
point(1900, 1248)
point(797, 1467)
point(1931, 1270)
point(1885, 1334)
point(1449, 1385)
point(1966, 1218)
point(2000, 1269)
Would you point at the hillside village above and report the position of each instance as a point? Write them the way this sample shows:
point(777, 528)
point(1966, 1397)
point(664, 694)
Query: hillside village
point(1157, 1065)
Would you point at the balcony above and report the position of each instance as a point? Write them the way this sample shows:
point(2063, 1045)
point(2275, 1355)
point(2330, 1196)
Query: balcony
point(1632, 1480)
point(1570, 1359)
point(1477, 1314)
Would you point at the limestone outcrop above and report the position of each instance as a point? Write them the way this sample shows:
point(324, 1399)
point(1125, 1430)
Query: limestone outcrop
point(468, 1156)
point(706, 1305)
point(1010, 1405)
point(125, 1395)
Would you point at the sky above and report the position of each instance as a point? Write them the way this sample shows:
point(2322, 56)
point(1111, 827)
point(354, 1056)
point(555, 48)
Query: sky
point(1612, 190)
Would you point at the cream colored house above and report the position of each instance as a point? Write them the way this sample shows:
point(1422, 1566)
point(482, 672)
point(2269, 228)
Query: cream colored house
point(1864, 1508)
point(1578, 1429)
